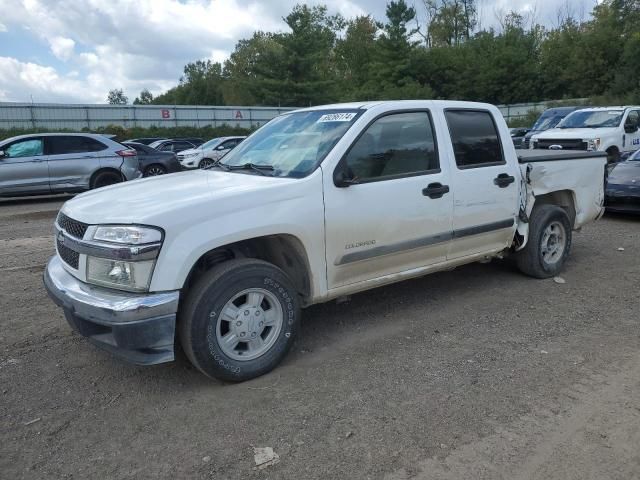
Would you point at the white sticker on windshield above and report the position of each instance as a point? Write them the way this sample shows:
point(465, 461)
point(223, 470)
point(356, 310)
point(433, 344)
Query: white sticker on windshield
point(337, 117)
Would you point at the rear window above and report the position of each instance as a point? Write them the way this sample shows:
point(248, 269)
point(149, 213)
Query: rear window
point(74, 144)
point(475, 138)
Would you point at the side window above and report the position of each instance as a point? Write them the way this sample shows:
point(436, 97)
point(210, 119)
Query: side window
point(633, 119)
point(179, 146)
point(74, 144)
point(399, 144)
point(229, 144)
point(167, 147)
point(475, 138)
point(31, 147)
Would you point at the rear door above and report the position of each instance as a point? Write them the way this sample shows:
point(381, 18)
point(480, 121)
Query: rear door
point(398, 215)
point(73, 159)
point(484, 185)
point(23, 168)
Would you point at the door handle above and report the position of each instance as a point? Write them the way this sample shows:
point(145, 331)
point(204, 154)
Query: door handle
point(504, 180)
point(435, 190)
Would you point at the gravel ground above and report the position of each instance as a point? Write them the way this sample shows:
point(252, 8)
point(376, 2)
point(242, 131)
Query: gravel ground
point(474, 373)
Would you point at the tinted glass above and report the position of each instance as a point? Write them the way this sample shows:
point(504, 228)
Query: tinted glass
point(24, 148)
point(179, 146)
point(230, 144)
point(167, 147)
point(397, 144)
point(65, 145)
point(475, 138)
point(633, 118)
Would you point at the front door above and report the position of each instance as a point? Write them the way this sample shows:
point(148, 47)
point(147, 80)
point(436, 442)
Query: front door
point(485, 186)
point(632, 132)
point(23, 168)
point(395, 213)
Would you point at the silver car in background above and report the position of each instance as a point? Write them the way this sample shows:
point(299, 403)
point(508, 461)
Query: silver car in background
point(47, 163)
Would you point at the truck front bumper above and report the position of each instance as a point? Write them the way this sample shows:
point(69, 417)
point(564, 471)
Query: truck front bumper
point(139, 328)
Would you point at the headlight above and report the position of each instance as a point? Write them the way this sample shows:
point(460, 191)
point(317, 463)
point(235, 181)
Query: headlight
point(131, 276)
point(593, 144)
point(130, 235)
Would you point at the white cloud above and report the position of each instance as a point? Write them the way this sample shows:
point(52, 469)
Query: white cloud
point(62, 47)
point(136, 44)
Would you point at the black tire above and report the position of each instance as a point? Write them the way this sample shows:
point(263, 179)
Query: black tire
point(104, 179)
point(205, 163)
point(154, 170)
point(530, 259)
point(199, 314)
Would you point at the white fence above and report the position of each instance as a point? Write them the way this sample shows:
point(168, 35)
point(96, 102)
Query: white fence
point(77, 117)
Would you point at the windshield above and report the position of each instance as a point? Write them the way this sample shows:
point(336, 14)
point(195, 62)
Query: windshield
point(210, 144)
point(156, 143)
point(635, 156)
point(293, 144)
point(547, 122)
point(592, 119)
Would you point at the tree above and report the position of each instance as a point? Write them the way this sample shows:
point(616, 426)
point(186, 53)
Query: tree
point(450, 22)
point(146, 98)
point(117, 97)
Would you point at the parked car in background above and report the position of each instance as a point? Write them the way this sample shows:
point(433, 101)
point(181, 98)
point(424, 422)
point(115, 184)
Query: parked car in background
point(153, 162)
point(46, 163)
point(172, 145)
point(209, 153)
point(622, 193)
point(604, 129)
point(197, 141)
point(549, 119)
point(145, 140)
point(517, 136)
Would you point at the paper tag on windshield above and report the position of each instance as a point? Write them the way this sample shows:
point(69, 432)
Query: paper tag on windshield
point(337, 117)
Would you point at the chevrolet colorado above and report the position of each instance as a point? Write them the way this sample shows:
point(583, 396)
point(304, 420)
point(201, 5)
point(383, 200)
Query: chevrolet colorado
point(317, 204)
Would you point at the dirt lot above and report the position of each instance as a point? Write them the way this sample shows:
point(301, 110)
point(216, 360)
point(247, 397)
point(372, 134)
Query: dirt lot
point(475, 373)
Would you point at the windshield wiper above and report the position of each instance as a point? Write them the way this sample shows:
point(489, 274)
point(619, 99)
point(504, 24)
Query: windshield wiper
point(218, 163)
point(261, 169)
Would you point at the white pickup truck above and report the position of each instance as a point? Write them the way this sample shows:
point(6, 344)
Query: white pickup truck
point(613, 130)
point(317, 204)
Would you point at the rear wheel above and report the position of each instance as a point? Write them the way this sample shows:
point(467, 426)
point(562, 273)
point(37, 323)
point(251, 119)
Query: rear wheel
point(239, 320)
point(206, 163)
point(104, 179)
point(154, 170)
point(549, 242)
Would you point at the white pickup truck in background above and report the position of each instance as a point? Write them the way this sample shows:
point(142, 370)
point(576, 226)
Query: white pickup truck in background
point(613, 130)
point(319, 203)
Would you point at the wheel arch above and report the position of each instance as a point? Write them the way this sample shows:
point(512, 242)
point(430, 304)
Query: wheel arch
point(566, 199)
point(284, 250)
point(101, 170)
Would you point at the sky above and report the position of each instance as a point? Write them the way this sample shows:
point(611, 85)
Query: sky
point(75, 51)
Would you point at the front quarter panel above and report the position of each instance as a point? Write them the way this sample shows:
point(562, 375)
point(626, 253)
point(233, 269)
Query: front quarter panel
point(294, 207)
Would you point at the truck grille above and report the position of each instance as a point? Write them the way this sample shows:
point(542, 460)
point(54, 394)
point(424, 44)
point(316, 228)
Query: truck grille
point(72, 227)
point(70, 257)
point(566, 144)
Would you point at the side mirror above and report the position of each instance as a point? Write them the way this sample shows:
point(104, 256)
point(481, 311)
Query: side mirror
point(2, 154)
point(342, 179)
point(630, 128)
point(220, 147)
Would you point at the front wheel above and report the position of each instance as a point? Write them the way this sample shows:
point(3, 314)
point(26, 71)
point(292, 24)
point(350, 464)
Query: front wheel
point(104, 179)
point(205, 163)
point(239, 320)
point(549, 242)
point(154, 170)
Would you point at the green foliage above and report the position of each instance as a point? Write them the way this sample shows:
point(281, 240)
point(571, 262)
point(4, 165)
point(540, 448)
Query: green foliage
point(117, 97)
point(145, 98)
point(324, 58)
point(123, 133)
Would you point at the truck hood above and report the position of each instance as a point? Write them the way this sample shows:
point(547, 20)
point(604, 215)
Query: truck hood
point(160, 200)
point(582, 133)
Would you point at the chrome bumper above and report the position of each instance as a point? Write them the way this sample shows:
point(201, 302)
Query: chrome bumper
point(139, 328)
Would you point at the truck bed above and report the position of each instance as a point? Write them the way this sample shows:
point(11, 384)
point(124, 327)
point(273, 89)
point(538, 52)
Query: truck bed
point(579, 174)
point(532, 156)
